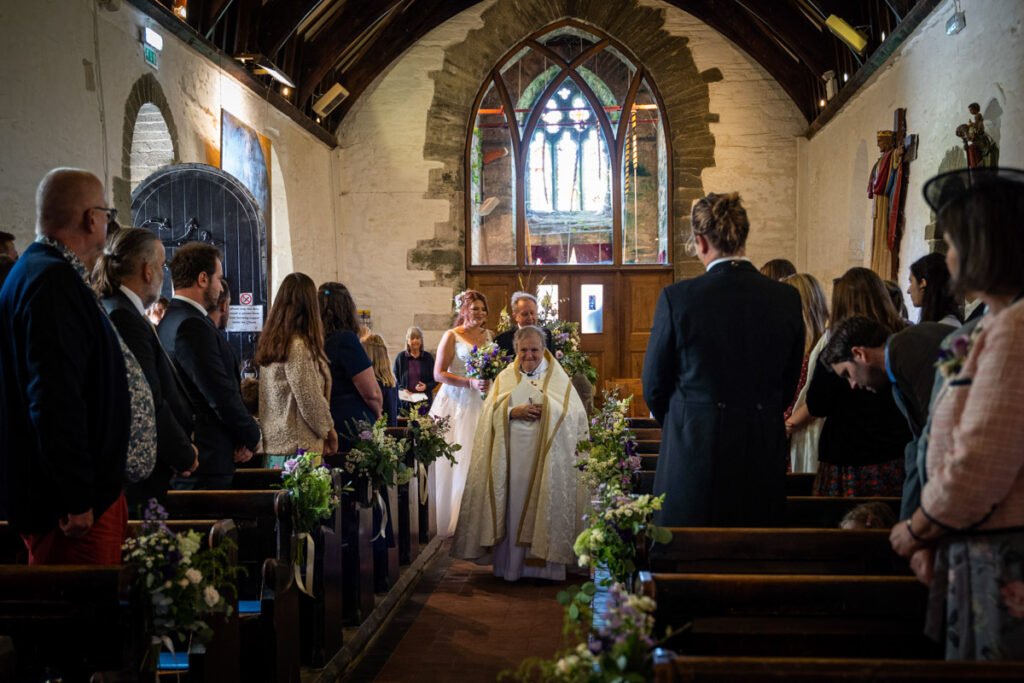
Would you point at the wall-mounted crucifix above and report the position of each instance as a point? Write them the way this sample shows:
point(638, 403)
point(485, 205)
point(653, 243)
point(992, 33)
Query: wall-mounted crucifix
point(887, 187)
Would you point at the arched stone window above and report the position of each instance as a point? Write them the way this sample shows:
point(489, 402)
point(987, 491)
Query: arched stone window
point(152, 147)
point(568, 157)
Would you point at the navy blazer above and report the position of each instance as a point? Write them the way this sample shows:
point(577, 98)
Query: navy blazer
point(722, 364)
point(174, 417)
point(65, 395)
point(211, 380)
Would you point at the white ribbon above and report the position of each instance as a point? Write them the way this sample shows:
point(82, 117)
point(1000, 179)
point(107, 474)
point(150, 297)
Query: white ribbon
point(422, 477)
point(383, 518)
point(304, 573)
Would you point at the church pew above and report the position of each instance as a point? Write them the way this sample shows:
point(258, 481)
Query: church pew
point(647, 434)
point(264, 523)
point(70, 621)
point(796, 615)
point(773, 551)
point(797, 483)
point(825, 512)
point(669, 669)
point(257, 479)
point(642, 423)
point(355, 515)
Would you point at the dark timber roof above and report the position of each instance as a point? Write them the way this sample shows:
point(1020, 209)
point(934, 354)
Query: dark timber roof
point(320, 42)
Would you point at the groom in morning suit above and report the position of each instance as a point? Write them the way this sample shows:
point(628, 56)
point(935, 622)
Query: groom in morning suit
point(225, 432)
point(722, 365)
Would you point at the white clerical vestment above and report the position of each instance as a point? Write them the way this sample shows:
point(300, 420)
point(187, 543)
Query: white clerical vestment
point(523, 504)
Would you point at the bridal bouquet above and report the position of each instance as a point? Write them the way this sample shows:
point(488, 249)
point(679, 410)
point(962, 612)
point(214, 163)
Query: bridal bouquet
point(180, 583)
point(486, 362)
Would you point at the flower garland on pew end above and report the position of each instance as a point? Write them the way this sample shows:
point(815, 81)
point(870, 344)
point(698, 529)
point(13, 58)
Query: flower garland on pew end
point(313, 499)
point(381, 459)
point(180, 584)
point(617, 646)
point(428, 442)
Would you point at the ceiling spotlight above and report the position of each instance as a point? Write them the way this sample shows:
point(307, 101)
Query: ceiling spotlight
point(180, 9)
point(821, 103)
point(883, 36)
point(846, 77)
point(286, 91)
point(262, 66)
point(853, 38)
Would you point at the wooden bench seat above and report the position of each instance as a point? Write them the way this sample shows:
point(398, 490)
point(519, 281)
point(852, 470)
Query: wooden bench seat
point(691, 669)
point(791, 615)
point(774, 551)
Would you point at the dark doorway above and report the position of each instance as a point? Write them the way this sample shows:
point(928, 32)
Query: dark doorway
point(190, 202)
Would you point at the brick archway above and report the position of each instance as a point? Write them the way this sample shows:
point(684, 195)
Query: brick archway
point(146, 90)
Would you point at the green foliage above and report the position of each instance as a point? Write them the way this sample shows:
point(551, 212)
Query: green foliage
point(427, 436)
point(180, 583)
point(378, 456)
point(311, 489)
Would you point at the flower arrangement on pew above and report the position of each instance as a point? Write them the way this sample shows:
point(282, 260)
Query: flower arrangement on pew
point(565, 339)
point(378, 456)
point(313, 499)
point(486, 362)
point(427, 442)
point(312, 491)
point(614, 648)
point(613, 528)
point(180, 583)
point(609, 458)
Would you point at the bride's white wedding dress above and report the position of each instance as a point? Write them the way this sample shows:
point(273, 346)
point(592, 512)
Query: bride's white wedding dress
point(462, 405)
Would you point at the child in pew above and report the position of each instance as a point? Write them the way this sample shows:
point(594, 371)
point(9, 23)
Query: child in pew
point(869, 516)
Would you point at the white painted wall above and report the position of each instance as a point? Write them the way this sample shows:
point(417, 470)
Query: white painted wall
point(383, 176)
point(755, 138)
point(49, 118)
point(935, 77)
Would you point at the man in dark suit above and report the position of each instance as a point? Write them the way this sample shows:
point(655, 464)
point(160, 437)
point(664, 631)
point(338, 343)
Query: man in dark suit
point(722, 364)
point(225, 432)
point(129, 277)
point(524, 312)
point(67, 416)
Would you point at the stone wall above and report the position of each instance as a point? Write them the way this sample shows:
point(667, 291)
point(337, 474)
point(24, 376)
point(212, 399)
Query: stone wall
point(935, 77)
point(401, 165)
point(75, 86)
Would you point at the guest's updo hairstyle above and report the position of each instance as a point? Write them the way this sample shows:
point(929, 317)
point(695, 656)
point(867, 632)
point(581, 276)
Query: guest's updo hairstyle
point(125, 251)
point(721, 220)
point(463, 303)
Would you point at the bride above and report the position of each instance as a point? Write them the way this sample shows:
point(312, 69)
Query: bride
point(459, 398)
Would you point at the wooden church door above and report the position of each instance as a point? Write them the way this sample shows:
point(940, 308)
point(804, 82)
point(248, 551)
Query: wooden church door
point(196, 202)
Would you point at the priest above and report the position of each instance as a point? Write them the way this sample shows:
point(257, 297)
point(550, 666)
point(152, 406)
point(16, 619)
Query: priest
point(523, 504)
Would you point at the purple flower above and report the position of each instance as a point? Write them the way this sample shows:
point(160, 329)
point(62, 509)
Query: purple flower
point(630, 447)
point(423, 409)
point(961, 345)
point(300, 451)
point(595, 647)
point(291, 465)
point(366, 435)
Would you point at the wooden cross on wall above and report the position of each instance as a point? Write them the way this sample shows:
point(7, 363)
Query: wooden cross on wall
point(889, 180)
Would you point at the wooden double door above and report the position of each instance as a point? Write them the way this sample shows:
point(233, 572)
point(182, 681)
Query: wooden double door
point(615, 308)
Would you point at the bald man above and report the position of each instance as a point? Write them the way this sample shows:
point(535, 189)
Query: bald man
point(65, 396)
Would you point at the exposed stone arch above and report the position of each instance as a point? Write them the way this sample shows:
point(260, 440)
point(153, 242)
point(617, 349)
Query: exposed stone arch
point(668, 59)
point(145, 91)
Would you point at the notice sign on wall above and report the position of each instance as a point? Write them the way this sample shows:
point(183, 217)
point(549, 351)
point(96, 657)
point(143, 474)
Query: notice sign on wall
point(245, 319)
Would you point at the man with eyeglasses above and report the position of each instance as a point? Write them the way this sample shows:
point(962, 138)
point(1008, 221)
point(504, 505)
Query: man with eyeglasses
point(67, 407)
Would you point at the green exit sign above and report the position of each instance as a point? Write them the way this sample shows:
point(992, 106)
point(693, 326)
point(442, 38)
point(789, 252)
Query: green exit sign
point(151, 56)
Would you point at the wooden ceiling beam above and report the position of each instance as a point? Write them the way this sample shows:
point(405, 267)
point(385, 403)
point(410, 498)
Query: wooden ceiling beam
point(279, 21)
point(795, 31)
point(733, 22)
point(421, 17)
point(212, 12)
point(322, 53)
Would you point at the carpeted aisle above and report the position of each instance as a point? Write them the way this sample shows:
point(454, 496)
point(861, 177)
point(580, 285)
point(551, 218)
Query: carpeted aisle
point(463, 624)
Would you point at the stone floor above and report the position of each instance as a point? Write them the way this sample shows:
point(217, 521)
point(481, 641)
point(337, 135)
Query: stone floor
point(463, 624)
